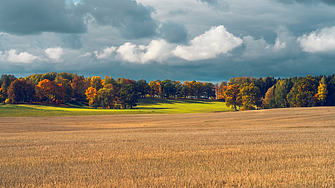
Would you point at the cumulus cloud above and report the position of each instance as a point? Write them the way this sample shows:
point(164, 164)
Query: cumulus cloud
point(157, 50)
point(209, 45)
point(173, 32)
point(54, 53)
point(106, 53)
point(320, 41)
point(23, 57)
point(33, 17)
point(285, 44)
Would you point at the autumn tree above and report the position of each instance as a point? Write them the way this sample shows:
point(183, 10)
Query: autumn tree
point(91, 94)
point(220, 90)
point(322, 93)
point(108, 80)
point(105, 98)
point(185, 91)
point(251, 97)
point(269, 100)
point(6, 81)
point(21, 91)
point(67, 86)
point(51, 91)
point(233, 96)
point(78, 88)
point(155, 88)
point(303, 92)
point(96, 82)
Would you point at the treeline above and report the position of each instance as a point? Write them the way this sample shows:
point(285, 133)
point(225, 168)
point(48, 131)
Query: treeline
point(241, 93)
point(248, 93)
point(97, 92)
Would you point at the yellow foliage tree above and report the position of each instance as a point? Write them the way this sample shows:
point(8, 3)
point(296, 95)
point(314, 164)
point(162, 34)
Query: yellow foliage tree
point(91, 94)
point(322, 93)
point(96, 82)
point(268, 101)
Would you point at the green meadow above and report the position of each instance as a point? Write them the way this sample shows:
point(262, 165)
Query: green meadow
point(145, 106)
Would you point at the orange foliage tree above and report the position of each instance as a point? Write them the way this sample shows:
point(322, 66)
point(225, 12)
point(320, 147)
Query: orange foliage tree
point(51, 91)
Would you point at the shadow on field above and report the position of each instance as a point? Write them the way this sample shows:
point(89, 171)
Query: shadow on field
point(158, 101)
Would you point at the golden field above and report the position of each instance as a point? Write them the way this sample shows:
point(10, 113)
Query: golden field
point(267, 148)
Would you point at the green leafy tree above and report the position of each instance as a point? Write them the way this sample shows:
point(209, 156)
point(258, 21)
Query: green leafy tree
point(128, 95)
point(280, 93)
point(178, 87)
point(168, 88)
point(209, 90)
point(106, 98)
point(303, 93)
point(143, 88)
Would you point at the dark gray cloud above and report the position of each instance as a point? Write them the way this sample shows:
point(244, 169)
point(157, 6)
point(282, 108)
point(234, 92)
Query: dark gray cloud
point(36, 16)
point(173, 32)
point(132, 19)
point(72, 41)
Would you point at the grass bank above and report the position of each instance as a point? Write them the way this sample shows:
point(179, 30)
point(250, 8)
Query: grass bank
point(145, 106)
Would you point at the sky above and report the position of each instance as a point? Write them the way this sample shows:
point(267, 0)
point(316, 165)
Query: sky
point(206, 40)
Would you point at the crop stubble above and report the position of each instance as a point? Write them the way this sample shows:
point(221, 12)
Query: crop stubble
point(266, 148)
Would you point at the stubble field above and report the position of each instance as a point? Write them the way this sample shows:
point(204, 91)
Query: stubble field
point(268, 148)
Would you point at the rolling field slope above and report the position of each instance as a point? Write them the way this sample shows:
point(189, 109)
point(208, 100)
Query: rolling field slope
point(266, 148)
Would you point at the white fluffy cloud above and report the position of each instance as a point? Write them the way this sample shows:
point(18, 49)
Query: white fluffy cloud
point(318, 41)
point(209, 45)
point(157, 50)
point(23, 57)
point(54, 53)
point(106, 53)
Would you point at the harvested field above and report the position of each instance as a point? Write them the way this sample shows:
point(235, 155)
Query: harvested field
point(268, 148)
